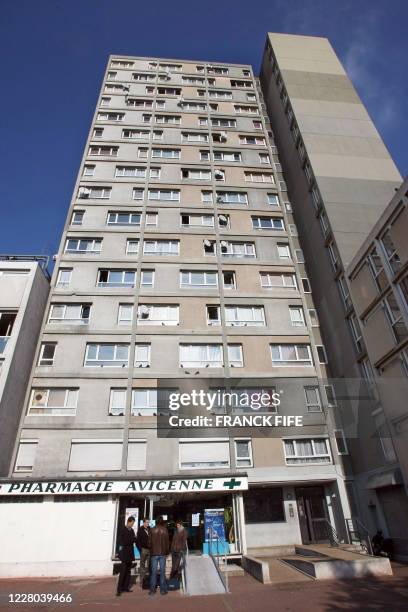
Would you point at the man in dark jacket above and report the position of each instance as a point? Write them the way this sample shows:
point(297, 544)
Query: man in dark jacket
point(159, 549)
point(126, 554)
point(178, 548)
point(143, 545)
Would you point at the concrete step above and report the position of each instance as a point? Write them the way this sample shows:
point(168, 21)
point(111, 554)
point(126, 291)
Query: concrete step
point(272, 551)
point(281, 573)
point(232, 569)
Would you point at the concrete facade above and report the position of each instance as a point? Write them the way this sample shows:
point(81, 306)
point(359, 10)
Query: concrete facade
point(24, 288)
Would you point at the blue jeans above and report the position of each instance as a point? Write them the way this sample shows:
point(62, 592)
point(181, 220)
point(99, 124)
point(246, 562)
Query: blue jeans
point(161, 559)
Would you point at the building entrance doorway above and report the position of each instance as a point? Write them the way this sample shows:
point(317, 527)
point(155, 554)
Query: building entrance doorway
point(190, 509)
point(313, 514)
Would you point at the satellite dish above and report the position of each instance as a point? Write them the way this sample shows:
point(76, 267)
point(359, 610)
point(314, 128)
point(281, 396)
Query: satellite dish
point(207, 243)
point(224, 243)
point(222, 218)
point(143, 309)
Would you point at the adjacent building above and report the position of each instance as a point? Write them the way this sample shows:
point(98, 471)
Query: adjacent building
point(378, 280)
point(179, 261)
point(341, 178)
point(24, 287)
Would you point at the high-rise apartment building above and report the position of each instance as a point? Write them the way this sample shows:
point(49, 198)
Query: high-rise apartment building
point(341, 178)
point(179, 261)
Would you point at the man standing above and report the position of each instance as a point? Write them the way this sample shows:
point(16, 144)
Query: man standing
point(143, 545)
point(127, 538)
point(178, 548)
point(159, 549)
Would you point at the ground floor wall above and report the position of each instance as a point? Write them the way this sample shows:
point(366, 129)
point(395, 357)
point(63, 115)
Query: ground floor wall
point(56, 539)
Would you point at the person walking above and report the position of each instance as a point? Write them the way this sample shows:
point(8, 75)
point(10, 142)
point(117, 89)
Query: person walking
point(127, 539)
point(178, 548)
point(159, 549)
point(143, 545)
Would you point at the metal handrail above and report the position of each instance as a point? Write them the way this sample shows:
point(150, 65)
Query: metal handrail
point(184, 569)
point(216, 557)
point(352, 531)
point(332, 533)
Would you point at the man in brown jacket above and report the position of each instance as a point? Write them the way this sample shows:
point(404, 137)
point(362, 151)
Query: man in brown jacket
point(159, 549)
point(178, 548)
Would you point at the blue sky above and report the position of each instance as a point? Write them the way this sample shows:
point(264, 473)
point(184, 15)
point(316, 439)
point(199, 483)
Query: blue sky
point(54, 54)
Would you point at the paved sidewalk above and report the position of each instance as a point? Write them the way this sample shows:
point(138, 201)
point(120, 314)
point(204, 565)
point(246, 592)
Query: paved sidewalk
point(247, 595)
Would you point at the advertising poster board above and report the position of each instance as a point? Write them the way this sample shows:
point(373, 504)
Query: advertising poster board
point(214, 518)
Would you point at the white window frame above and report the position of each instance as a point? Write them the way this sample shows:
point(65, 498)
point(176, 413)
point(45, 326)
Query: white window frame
point(107, 363)
point(213, 274)
point(297, 458)
point(249, 458)
point(287, 363)
point(68, 409)
point(270, 275)
point(170, 243)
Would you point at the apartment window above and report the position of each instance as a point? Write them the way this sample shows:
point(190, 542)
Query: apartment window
point(377, 270)
point(264, 158)
point(237, 249)
point(274, 280)
point(228, 278)
point(125, 314)
point(390, 251)
point(235, 355)
point(297, 317)
point(70, 313)
point(214, 454)
point(89, 170)
point(202, 175)
point(157, 134)
point(26, 455)
point(228, 156)
point(47, 353)
point(272, 199)
point(213, 315)
point(144, 402)
point(313, 317)
point(252, 140)
point(194, 137)
point(355, 332)
point(117, 402)
point(334, 259)
point(140, 103)
point(112, 75)
point(161, 247)
point(344, 292)
point(110, 116)
point(239, 83)
point(259, 177)
point(95, 455)
point(330, 395)
point(312, 396)
point(195, 220)
point(245, 316)
point(168, 119)
point(341, 443)
point(257, 125)
point(384, 435)
point(267, 223)
point(197, 278)
point(95, 193)
point(105, 101)
point(164, 194)
point(136, 134)
point(131, 171)
point(283, 251)
point(291, 354)
point(107, 355)
point(246, 109)
point(138, 76)
point(303, 450)
point(193, 80)
point(217, 70)
point(232, 197)
point(83, 245)
point(166, 153)
point(147, 278)
point(264, 505)
point(124, 218)
point(121, 64)
point(64, 277)
point(201, 355)
point(223, 122)
point(293, 229)
point(142, 355)
point(299, 256)
point(77, 217)
point(138, 194)
point(98, 132)
point(394, 318)
point(132, 246)
point(207, 197)
point(160, 314)
point(321, 354)
point(243, 452)
point(403, 288)
point(116, 278)
point(53, 402)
